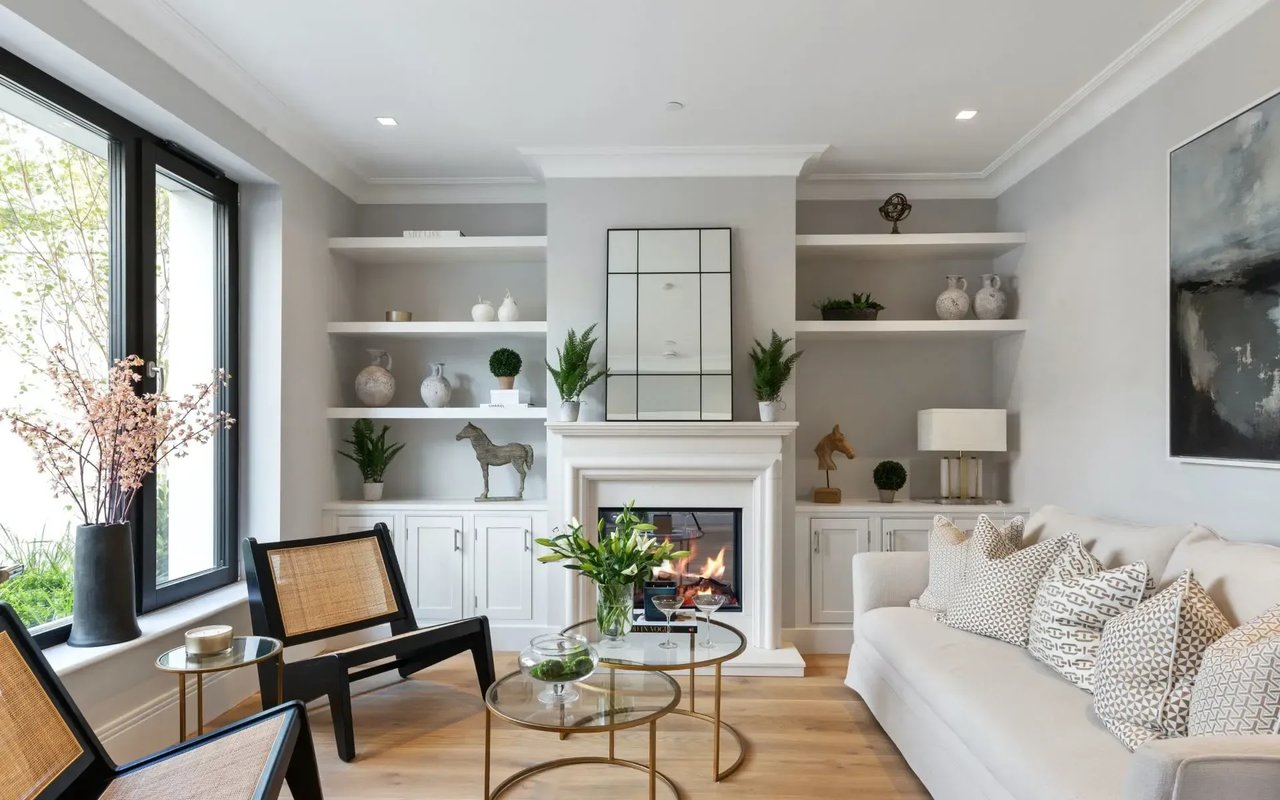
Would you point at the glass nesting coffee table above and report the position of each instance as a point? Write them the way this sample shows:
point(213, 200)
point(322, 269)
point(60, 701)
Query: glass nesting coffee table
point(607, 701)
point(640, 652)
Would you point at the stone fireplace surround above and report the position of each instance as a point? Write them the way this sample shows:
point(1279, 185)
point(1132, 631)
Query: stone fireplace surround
point(724, 464)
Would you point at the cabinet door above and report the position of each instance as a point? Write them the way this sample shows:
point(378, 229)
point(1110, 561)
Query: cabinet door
point(912, 533)
point(834, 543)
point(350, 523)
point(503, 564)
point(432, 566)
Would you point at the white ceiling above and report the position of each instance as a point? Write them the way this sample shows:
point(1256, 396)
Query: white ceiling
point(470, 81)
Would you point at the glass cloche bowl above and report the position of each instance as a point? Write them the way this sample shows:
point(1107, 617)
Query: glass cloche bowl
point(557, 661)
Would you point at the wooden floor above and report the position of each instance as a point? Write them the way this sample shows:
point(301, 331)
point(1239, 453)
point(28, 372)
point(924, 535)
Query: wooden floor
point(424, 738)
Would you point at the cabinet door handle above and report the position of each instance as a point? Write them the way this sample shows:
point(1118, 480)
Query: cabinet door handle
point(817, 542)
point(868, 550)
point(891, 540)
point(457, 540)
point(528, 540)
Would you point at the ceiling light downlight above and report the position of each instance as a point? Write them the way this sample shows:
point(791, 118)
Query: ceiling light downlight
point(387, 122)
point(675, 105)
point(966, 114)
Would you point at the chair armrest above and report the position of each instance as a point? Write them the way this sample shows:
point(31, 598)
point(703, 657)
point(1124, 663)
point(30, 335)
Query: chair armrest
point(294, 709)
point(1205, 768)
point(887, 579)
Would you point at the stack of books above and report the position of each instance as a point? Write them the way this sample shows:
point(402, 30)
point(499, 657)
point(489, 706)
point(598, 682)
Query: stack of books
point(432, 234)
point(682, 622)
point(508, 398)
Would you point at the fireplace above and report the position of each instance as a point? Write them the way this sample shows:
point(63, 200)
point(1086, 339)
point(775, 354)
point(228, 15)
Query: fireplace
point(713, 537)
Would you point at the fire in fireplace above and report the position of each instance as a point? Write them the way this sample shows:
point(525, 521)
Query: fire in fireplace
point(713, 537)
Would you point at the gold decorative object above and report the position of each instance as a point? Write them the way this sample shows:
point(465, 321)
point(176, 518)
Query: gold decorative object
point(244, 651)
point(827, 448)
point(399, 316)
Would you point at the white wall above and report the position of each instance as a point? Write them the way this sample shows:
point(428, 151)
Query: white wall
point(1087, 384)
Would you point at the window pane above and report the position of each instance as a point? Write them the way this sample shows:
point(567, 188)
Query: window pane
point(55, 274)
point(187, 349)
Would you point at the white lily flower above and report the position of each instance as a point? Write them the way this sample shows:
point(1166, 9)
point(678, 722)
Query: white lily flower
point(573, 522)
point(631, 570)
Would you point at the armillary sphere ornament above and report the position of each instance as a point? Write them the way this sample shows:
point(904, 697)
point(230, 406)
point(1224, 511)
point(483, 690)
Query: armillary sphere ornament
point(895, 210)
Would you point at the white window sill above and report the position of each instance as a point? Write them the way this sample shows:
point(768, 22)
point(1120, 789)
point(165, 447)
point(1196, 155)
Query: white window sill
point(178, 617)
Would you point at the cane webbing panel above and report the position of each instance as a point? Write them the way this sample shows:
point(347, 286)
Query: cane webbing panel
point(36, 745)
point(227, 768)
point(328, 585)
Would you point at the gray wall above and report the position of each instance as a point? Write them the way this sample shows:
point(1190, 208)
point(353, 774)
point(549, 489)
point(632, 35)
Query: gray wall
point(473, 219)
point(1087, 383)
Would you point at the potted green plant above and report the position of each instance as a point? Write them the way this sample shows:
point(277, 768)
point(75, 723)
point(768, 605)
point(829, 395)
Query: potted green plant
point(372, 454)
point(772, 371)
point(862, 306)
point(575, 372)
point(505, 365)
point(615, 562)
point(889, 477)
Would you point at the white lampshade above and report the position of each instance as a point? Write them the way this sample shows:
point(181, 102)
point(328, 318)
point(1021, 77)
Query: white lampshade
point(982, 430)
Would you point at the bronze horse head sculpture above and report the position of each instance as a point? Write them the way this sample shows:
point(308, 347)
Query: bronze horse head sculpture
point(831, 444)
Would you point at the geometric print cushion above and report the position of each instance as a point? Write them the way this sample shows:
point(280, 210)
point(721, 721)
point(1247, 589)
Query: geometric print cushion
point(996, 600)
point(1238, 688)
point(1076, 599)
point(1148, 660)
point(950, 550)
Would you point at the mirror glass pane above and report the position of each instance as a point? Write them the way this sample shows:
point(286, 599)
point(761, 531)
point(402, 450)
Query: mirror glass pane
point(622, 251)
point(621, 397)
point(668, 338)
point(715, 250)
point(670, 397)
point(669, 250)
point(716, 304)
point(621, 341)
point(717, 397)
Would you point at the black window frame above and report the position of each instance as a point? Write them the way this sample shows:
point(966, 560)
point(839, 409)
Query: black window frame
point(135, 156)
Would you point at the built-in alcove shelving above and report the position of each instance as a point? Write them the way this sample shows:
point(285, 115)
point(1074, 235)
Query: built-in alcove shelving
point(909, 329)
point(451, 412)
point(417, 330)
point(445, 250)
point(915, 247)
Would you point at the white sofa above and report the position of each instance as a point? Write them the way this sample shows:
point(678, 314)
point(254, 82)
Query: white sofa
point(978, 718)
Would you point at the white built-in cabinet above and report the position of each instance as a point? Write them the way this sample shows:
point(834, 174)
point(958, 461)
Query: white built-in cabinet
point(835, 540)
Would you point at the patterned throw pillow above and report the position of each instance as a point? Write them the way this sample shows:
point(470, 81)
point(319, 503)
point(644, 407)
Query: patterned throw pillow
point(950, 553)
point(1237, 690)
point(1076, 599)
point(996, 599)
point(1148, 660)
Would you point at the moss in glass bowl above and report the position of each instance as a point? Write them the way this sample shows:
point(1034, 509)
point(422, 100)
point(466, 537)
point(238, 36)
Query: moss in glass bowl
point(573, 667)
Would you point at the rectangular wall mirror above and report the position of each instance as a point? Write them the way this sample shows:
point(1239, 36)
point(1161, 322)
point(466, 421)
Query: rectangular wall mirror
point(670, 325)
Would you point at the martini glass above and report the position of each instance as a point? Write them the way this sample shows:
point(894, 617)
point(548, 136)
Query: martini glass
point(708, 602)
point(668, 604)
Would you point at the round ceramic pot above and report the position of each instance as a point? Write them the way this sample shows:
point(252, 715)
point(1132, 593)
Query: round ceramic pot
point(436, 389)
point(508, 311)
point(569, 410)
point(770, 410)
point(506, 381)
point(373, 491)
point(886, 495)
point(102, 602)
point(375, 385)
point(483, 311)
point(990, 302)
point(953, 303)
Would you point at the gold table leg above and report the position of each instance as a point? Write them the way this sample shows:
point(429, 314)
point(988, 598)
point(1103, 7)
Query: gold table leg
point(182, 706)
point(715, 762)
point(488, 744)
point(653, 759)
point(199, 703)
point(280, 677)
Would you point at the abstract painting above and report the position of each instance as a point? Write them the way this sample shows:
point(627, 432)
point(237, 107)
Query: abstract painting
point(1224, 269)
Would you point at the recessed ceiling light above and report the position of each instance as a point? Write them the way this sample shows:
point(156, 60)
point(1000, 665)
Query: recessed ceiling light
point(389, 122)
point(675, 105)
point(968, 113)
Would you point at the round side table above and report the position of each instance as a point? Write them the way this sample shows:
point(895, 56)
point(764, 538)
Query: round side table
point(245, 651)
point(607, 702)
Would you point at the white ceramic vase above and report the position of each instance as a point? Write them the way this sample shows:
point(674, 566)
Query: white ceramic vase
point(375, 385)
point(436, 389)
point(372, 491)
point(990, 302)
point(953, 303)
point(508, 311)
point(770, 409)
point(569, 410)
point(483, 311)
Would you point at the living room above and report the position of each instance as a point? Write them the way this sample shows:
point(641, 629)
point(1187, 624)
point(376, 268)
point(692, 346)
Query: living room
point(900, 385)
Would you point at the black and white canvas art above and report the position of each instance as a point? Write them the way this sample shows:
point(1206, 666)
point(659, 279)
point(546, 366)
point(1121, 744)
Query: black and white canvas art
point(1224, 263)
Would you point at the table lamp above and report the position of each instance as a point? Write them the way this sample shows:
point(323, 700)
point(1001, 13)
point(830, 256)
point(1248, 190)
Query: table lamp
point(962, 431)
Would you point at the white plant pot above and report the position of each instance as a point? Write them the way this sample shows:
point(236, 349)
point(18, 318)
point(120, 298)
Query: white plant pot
point(373, 491)
point(770, 410)
point(569, 410)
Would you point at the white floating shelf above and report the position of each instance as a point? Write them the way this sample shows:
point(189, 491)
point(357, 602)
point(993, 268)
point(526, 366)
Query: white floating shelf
point(458, 250)
point(434, 504)
point(910, 329)
point(420, 330)
point(437, 413)
point(921, 247)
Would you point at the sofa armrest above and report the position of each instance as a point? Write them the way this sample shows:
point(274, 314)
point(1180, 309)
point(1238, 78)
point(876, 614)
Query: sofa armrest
point(887, 579)
point(1205, 768)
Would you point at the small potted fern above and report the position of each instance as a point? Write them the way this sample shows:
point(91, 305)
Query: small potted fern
point(575, 373)
point(372, 454)
point(505, 365)
point(772, 371)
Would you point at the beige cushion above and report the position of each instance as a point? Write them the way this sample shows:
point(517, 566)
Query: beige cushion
point(1237, 690)
point(1242, 578)
point(1112, 542)
point(996, 599)
point(1148, 660)
point(950, 556)
point(1035, 732)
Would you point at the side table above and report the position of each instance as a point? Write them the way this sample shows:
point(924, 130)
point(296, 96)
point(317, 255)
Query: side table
point(245, 651)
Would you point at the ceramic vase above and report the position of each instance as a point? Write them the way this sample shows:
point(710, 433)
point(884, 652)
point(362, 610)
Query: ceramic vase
point(953, 303)
point(372, 491)
point(990, 302)
point(569, 410)
point(508, 311)
point(483, 311)
point(102, 605)
point(375, 385)
point(886, 495)
point(769, 410)
point(436, 389)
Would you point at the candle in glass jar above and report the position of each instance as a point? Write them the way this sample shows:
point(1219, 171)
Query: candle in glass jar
point(208, 640)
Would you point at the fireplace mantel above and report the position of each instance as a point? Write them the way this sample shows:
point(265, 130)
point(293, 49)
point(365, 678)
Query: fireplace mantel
point(752, 429)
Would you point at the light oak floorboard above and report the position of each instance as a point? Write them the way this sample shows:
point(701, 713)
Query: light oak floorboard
point(424, 738)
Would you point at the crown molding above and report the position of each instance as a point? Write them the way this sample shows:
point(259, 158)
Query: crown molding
point(696, 161)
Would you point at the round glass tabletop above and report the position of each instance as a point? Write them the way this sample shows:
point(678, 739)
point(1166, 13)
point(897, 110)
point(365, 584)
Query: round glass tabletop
point(643, 651)
point(245, 650)
point(606, 700)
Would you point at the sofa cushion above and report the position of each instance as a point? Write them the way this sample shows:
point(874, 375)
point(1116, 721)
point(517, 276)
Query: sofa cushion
point(950, 554)
point(1148, 660)
point(1243, 578)
point(1031, 729)
point(1237, 690)
point(1112, 542)
point(996, 599)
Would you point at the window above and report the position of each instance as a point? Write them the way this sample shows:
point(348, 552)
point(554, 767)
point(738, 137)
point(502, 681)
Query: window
point(112, 242)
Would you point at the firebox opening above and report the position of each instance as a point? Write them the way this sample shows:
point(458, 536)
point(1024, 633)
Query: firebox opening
point(713, 537)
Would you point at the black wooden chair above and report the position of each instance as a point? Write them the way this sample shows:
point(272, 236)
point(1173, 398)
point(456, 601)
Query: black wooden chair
point(309, 589)
point(47, 749)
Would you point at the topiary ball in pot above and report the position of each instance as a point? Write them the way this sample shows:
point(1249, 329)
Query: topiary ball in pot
point(505, 365)
point(889, 477)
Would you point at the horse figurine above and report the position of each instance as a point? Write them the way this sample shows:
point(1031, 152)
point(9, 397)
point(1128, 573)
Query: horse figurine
point(489, 454)
point(830, 444)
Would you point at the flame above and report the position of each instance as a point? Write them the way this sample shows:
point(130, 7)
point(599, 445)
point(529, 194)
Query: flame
point(714, 568)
